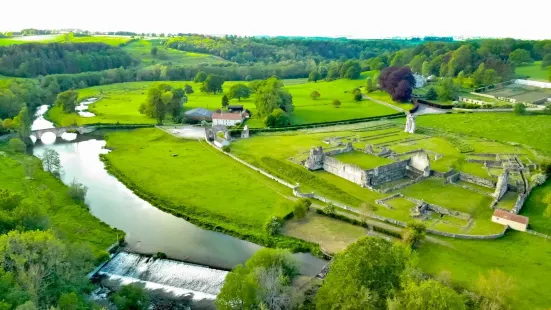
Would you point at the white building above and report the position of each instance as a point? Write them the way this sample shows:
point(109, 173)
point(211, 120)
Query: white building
point(515, 221)
point(227, 119)
point(420, 80)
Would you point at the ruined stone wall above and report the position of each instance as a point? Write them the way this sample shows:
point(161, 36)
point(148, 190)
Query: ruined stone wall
point(388, 173)
point(502, 185)
point(349, 172)
point(476, 180)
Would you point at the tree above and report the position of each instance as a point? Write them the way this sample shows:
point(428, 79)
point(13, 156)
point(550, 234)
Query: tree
point(431, 94)
point(315, 95)
point(429, 295)
point(270, 95)
point(263, 283)
point(130, 297)
point(225, 101)
point(314, 76)
point(213, 84)
point(162, 99)
point(369, 85)
point(520, 56)
point(301, 207)
point(336, 103)
point(414, 233)
point(67, 100)
point(273, 225)
point(77, 191)
point(239, 91)
point(416, 64)
point(154, 51)
point(357, 95)
point(495, 289)
point(50, 161)
point(200, 77)
point(447, 89)
point(546, 61)
point(17, 145)
point(278, 118)
point(519, 108)
point(460, 79)
point(188, 89)
point(25, 123)
point(426, 69)
point(398, 82)
point(350, 70)
point(363, 276)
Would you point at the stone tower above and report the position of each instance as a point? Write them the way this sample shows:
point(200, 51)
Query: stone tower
point(315, 159)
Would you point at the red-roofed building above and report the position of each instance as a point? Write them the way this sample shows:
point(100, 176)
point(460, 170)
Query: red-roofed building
point(515, 221)
point(228, 119)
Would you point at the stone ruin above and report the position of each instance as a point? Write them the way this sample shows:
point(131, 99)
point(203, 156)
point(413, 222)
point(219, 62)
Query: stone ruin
point(502, 185)
point(211, 134)
point(245, 132)
point(410, 123)
point(417, 166)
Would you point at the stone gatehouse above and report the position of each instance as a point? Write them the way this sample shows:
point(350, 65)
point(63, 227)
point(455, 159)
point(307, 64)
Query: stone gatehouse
point(418, 165)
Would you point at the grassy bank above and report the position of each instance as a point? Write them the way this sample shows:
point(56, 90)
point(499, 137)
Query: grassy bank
point(141, 49)
point(534, 71)
point(70, 221)
point(201, 185)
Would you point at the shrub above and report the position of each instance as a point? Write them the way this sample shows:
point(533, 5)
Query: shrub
point(336, 103)
point(431, 94)
point(315, 95)
point(539, 178)
point(77, 191)
point(301, 208)
point(520, 108)
point(273, 225)
point(226, 148)
point(17, 145)
point(357, 95)
point(130, 297)
point(329, 209)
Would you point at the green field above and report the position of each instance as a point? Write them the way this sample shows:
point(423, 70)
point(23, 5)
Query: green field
point(362, 160)
point(120, 103)
point(141, 49)
point(110, 40)
point(531, 130)
point(69, 221)
point(535, 71)
point(199, 183)
point(522, 256)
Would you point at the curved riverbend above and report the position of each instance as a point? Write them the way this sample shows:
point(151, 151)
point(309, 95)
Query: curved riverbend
point(148, 229)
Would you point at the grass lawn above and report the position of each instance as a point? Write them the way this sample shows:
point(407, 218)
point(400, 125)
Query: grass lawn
point(141, 49)
point(110, 40)
point(120, 103)
point(522, 256)
point(199, 182)
point(531, 130)
point(384, 96)
point(69, 221)
point(534, 209)
point(333, 235)
point(362, 160)
point(535, 71)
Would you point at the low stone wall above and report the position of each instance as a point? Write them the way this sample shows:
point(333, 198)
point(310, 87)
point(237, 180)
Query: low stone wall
point(387, 173)
point(476, 180)
point(346, 171)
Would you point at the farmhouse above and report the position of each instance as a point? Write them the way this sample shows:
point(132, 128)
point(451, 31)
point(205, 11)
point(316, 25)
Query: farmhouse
point(228, 119)
point(515, 221)
point(199, 114)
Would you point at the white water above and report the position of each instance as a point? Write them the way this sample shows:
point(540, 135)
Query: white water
point(177, 278)
point(82, 107)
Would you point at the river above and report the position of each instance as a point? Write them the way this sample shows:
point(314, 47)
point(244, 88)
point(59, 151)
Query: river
point(148, 229)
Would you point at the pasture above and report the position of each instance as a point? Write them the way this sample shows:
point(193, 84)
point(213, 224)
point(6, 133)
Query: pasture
point(141, 49)
point(120, 103)
point(110, 40)
point(199, 182)
point(534, 71)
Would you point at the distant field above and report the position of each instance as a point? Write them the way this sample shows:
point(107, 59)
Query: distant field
point(535, 71)
point(28, 39)
point(120, 103)
point(142, 49)
point(531, 130)
point(111, 40)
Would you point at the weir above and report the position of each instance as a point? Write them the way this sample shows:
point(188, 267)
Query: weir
point(173, 277)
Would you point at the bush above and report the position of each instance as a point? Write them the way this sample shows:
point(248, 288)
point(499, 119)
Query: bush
point(336, 103)
point(329, 209)
point(357, 94)
point(77, 191)
point(17, 145)
point(301, 207)
point(226, 148)
point(431, 94)
point(130, 297)
point(315, 95)
point(273, 225)
point(520, 108)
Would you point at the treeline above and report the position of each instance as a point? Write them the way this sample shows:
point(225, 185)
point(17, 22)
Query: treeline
point(16, 94)
point(273, 50)
point(30, 60)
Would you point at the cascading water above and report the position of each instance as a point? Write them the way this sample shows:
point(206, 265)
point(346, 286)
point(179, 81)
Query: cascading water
point(177, 278)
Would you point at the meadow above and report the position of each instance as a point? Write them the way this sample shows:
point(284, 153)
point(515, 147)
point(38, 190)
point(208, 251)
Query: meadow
point(110, 40)
point(193, 180)
point(534, 71)
point(120, 103)
point(530, 130)
point(69, 221)
point(141, 49)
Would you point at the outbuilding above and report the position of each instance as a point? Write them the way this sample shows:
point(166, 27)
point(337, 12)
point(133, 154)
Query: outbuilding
point(234, 108)
point(515, 221)
point(199, 114)
point(227, 119)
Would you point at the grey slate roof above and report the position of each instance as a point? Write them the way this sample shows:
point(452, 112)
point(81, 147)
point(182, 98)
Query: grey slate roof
point(199, 112)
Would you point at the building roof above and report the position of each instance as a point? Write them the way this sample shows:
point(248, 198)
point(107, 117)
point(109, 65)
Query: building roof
point(511, 216)
point(235, 106)
point(199, 112)
point(228, 116)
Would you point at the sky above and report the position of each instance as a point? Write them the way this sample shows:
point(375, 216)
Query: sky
point(527, 19)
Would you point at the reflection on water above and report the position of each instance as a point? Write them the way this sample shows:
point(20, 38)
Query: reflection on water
point(148, 229)
point(40, 122)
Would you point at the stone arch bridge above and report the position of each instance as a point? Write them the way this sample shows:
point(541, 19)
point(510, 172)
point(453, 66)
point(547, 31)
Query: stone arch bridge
point(58, 131)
